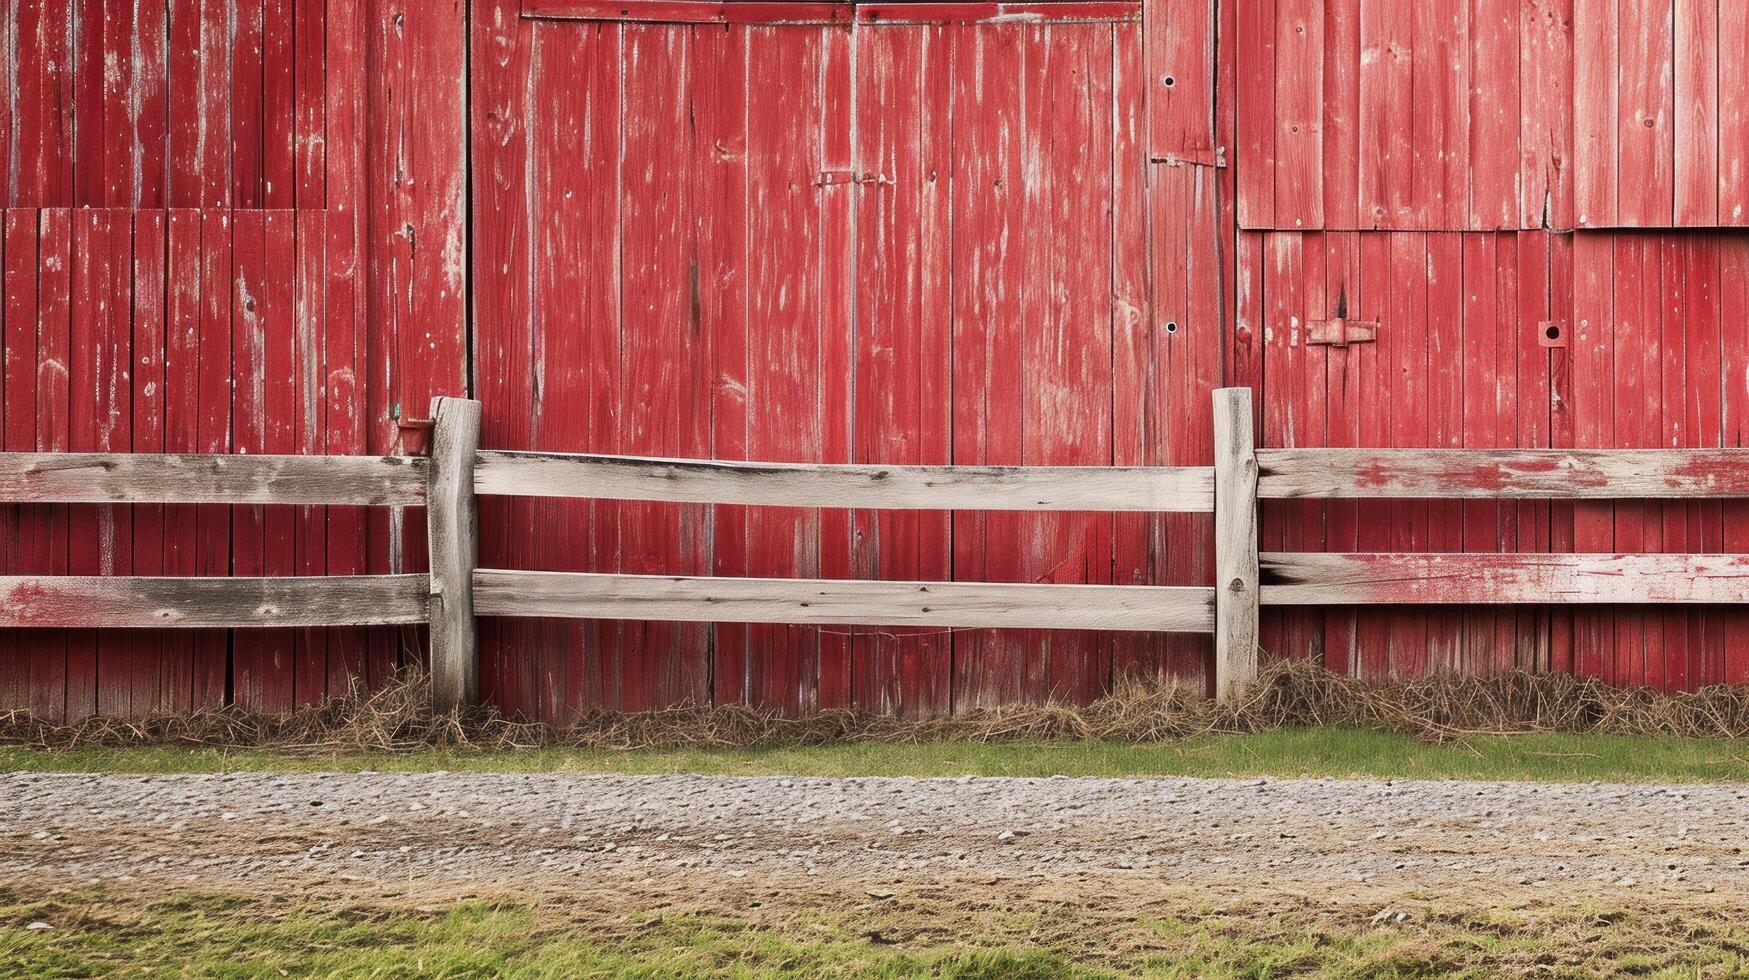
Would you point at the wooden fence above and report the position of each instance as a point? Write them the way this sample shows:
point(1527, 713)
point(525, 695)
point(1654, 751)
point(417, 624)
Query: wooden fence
point(456, 590)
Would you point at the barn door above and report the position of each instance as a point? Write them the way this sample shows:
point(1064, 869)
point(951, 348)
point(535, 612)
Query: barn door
point(1411, 339)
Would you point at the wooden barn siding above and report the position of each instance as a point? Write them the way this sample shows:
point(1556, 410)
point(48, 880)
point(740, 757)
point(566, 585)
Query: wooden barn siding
point(229, 226)
point(205, 197)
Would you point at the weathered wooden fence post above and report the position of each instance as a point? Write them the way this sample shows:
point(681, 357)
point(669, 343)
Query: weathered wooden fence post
point(453, 522)
point(1235, 543)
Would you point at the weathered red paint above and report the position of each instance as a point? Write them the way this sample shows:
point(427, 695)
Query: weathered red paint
point(919, 232)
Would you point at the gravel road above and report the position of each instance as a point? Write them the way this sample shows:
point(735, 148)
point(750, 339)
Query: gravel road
point(438, 833)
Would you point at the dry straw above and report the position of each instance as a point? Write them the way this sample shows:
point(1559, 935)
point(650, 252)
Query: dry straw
point(396, 718)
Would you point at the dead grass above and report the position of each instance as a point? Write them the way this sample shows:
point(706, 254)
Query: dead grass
point(396, 718)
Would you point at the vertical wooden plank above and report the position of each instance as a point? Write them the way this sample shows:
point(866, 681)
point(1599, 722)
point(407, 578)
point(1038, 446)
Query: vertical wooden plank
point(1341, 95)
point(1592, 401)
point(1299, 123)
point(1344, 384)
point(47, 547)
point(41, 172)
point(181, 413)
point(1483, 342)
point(255, 666)
point(118, 159)
point(279, 65)
point(1546, 127)
point(245, 103)
point(213, 433)
point(1561, 292)
point(1377, 381)
point(665, 411)
point(1496, 116)
point(1645, 120)
point(309, 125)
point(1179, 85)
point(1235, 543)
point(1695, 111)
point(152, 668)
point(1282, 631)
point(347, 372)
point(148, 104)
point(1439, 140)
point(1733, 297)
point(720, 163)
point(25, 526)
point(1733, 114)
point(989, 369)
point(837, 342)
point(1386, 116)
point(89, 81)
point(1407, 328)
point(280, 414)
point(97, 422)
point(1596, 98)
point(1254, 102)
point(310, 668)
point(454, 530)
point(902, 358)
point(1445, 420)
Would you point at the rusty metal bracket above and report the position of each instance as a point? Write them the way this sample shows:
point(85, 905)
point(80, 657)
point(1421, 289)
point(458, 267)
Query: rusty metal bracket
point(1551, 333)
point(1341, 331)
point(1216, 157)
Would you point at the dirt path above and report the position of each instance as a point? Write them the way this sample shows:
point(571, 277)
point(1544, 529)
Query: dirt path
point(685, 836)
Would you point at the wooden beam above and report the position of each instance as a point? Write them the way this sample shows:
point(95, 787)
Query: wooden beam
point(117, 601)
point(1504, 579)
point(587, 595)
point(144, 478)
point(1235, 543)
point(1500, 473)
point(1084, 488)
point(453, 524)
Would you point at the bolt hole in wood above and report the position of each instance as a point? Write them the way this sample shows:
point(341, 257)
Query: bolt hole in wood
point(1169, 81)
point(1171, 326)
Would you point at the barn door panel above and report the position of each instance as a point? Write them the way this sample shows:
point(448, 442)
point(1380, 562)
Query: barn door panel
point(1405, 339)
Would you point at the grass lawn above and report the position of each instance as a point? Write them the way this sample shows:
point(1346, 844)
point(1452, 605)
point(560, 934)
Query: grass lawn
point(93, 932)
point(1313, 752)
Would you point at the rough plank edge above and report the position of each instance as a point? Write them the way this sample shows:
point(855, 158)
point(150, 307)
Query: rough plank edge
point(775, 12)
point(1021, 488)
point(453, 527)
point(912, 14)
point(194, 478)
point(1504, 473)
point(122, 601)
point(966, 605)
point(1236, 596)
point(1351, 579)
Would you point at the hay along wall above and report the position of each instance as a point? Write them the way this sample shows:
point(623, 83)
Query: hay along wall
point(869, 232)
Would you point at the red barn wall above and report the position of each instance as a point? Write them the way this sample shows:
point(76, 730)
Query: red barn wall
point(274, 225)
point(228, 227)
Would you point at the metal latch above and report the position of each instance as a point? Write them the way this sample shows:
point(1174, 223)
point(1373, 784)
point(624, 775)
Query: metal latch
point(1216, 157)
point(829, 177)
point(1341, 331)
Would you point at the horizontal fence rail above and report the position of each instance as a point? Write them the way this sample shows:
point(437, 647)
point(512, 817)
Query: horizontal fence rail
point(123, 601)
point(457, 591)
point(1502, 579)
point(107, 478)
point(586, 595)
point(1502, 473)
point(691, 481)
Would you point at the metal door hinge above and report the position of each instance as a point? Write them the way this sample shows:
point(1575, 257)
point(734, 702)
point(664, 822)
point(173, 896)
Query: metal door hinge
point(1216, 157)
point(1340, 332)
point(829, 177)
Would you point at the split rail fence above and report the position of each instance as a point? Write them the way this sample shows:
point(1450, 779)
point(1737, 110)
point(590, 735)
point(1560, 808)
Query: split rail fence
point(456, 590)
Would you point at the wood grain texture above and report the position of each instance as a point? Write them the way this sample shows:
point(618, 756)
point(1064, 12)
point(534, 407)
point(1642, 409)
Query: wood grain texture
point(1235, 596)
point(1568, 579)
point(1504, 473)
point(104, 601)
point(1186, 489)
point(500, 592)
point(453, 526)
point(192, 478)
